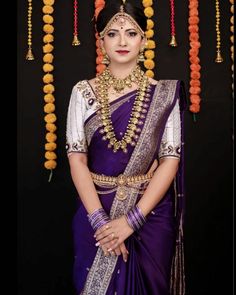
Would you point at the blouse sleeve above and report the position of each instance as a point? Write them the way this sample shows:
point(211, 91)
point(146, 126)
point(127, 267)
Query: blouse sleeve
point(75, 134)
point(171, 140)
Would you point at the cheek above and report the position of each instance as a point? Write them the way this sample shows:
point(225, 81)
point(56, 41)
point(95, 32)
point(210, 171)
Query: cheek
point(136, 47)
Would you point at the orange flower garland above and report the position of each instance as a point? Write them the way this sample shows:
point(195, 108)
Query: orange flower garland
point(99, 5)
point(195, 84)
point(232, 41)
point(149, 54)
point(48, 89)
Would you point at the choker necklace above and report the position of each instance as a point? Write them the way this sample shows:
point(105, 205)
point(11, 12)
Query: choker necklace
point(120, 84)
point(103, 82)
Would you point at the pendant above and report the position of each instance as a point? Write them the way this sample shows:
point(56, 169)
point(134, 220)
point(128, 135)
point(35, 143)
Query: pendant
point(121, 194)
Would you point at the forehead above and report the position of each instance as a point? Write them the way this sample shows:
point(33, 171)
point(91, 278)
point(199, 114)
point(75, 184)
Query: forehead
point(123, 23)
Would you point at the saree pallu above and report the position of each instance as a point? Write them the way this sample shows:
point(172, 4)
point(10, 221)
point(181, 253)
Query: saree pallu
point(155, 261)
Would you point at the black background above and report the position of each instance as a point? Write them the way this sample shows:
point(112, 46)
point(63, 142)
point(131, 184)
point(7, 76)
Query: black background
point(45, 210)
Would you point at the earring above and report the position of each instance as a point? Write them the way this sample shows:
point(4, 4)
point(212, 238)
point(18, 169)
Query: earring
point(141, 57)
point(106, 59)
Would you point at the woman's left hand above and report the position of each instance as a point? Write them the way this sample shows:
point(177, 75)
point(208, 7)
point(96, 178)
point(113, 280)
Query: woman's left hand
point(113, 233)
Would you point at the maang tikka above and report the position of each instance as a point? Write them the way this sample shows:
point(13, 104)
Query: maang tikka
point(121, 17)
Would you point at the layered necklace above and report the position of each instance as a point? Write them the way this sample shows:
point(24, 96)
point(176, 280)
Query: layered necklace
point(104, 82)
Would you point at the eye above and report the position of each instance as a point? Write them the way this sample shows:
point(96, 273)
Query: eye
point(111, 34)
point(132, 34)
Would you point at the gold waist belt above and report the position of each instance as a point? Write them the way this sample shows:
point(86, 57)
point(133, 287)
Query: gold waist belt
point(121, 183)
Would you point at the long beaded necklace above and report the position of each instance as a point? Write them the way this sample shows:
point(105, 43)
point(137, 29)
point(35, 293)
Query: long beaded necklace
point(103, 83)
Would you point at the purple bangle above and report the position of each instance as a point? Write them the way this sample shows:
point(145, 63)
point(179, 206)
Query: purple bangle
point(98, 218)
point(135, 218)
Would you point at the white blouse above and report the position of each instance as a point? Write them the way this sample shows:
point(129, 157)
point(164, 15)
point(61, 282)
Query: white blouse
point(80, 108)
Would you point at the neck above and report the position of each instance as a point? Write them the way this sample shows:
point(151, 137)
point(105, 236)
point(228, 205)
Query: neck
point(121, 71)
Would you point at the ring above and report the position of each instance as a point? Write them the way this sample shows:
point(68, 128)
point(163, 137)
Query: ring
point(112, 253)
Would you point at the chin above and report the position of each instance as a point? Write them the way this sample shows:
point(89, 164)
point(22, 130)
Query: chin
point(124, 60)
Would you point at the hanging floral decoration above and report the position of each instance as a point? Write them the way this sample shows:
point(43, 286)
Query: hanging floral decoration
point(232, 41)
point(219, 57)
point(195, 84)
point(75, 41)
point(173, 41)
point(29, 55)
point(149, 53)
point(49, 89)
point(100, 67)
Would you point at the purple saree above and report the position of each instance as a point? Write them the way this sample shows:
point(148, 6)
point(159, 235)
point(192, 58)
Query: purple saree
point(155, 263)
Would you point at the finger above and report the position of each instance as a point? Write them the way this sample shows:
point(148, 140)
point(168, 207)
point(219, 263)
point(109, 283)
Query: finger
point(117, 251)
point(105, 252)
point(104, 238)
point(113, 253)
point(116, 244)
point(124, 252)
point(104, 234)
point(102, 229)
point(106, 241)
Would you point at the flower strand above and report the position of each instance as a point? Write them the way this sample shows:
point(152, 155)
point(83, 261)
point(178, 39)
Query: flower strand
point(173, 42)
point(29, 55)
point(49, 89)
point(219, 58)
point(195, 84)
point(75, 41)
point(99, 5)
point(149, 54)
point(232, 42)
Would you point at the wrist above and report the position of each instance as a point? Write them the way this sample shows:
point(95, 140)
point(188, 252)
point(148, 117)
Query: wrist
point(98, 218)
point(135, 218)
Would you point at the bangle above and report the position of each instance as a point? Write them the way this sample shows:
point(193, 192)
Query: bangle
point(98, 218)
point(135, 218)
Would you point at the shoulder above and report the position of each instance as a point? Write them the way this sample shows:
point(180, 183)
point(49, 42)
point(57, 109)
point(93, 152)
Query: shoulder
point(152, 81)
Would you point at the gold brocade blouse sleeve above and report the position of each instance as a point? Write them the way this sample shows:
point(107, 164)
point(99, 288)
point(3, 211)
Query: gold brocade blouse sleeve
point(171, 140)
point(75, 134)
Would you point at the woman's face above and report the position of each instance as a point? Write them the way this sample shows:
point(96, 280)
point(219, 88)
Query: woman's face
point(122, 42)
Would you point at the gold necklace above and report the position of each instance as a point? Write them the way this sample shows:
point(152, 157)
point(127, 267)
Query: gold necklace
point(103, 82)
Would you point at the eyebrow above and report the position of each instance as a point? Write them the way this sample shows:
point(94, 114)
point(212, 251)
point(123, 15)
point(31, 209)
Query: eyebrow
point(118, 30)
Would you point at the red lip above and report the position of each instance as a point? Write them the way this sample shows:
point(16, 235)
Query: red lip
point(122, 51)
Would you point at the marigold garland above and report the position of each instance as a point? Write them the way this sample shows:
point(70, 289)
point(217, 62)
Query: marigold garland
point(232, 41)
point(195, 84)
point(149, 54)
point(49, 89)
point(99, 5)
point(29, 55)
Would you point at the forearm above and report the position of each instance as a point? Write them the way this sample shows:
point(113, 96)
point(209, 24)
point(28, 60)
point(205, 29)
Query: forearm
point(158, 185)
point(84, 184)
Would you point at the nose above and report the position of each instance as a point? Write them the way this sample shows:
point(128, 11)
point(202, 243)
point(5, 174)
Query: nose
point(122, 39)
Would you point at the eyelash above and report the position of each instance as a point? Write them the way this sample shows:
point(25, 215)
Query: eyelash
point(112, 34)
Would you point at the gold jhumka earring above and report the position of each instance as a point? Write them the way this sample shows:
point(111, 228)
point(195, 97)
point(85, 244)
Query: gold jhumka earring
point(141, 57)
point(105, 60)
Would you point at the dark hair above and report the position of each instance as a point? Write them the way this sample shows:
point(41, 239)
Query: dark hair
point(113, 7)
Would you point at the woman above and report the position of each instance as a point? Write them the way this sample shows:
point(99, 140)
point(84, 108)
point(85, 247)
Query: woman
point(124, 149)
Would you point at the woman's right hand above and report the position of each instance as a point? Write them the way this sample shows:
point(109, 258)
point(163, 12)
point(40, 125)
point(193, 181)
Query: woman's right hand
point(120, 250)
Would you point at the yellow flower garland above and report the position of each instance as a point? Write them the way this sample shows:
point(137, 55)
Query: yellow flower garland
point(149, 54)
point(48, 89)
